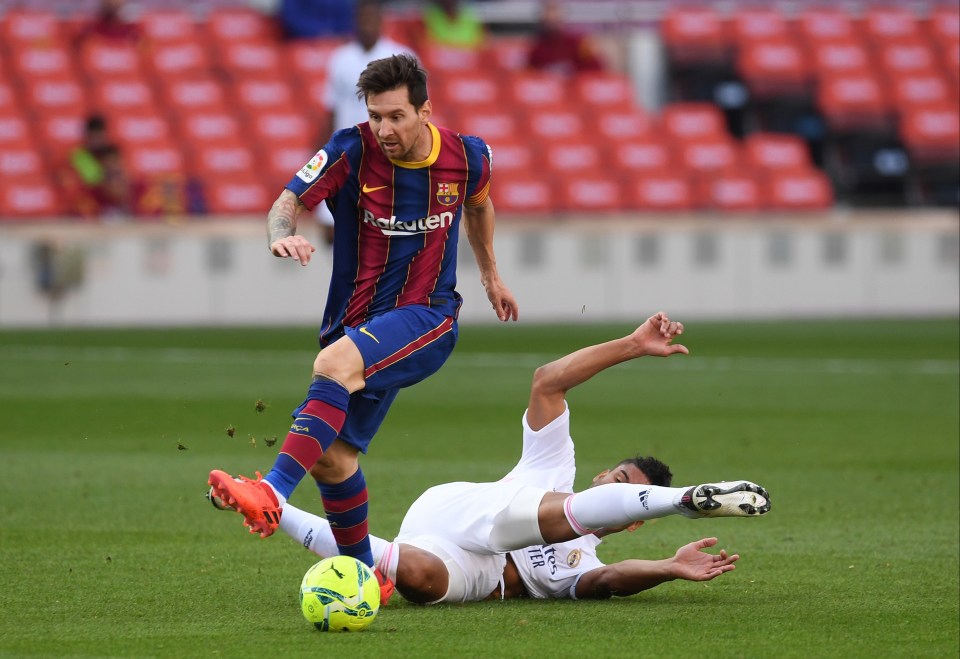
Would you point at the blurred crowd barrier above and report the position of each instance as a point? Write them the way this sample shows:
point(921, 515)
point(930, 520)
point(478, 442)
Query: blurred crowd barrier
point(860, 264)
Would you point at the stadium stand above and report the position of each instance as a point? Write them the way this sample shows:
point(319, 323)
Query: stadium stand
point(837, 106)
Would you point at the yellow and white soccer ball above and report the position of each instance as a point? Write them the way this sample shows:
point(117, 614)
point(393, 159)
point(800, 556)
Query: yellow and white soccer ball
point(340, 594)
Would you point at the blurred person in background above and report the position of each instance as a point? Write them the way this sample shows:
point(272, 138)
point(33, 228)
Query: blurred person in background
point(559, 49)
point(110, 24)
point(309, 19)
point(94, 181)
point(452, 23)
point(342, 106)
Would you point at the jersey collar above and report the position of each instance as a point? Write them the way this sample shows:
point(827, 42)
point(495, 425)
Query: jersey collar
point(432, 158)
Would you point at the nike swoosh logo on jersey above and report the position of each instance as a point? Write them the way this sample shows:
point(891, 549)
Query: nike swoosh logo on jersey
point(364, 330)
point(368, 190)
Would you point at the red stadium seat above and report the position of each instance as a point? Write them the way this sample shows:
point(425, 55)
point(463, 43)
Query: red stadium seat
point(763, 151)
point(847, 56)
point(709, 156)
point(523, 194)
point(231, 24)
point(774, 68)
point(193, 95)
point(26, 160)
point(263, 94)
point(883, 24)
point(537, 91)
point(507, 54)
point(228, 196)
point(759, 24)
point(29, 197)
point(54, 61)
point(101, 59)
point(513, 158)
point(14, 128)
point(694, 34)
point(282, 126)
point(931, 133)
point(442, 60)
point(55, 95)
point(659, 192)
point(907, 57)
point(59, 132)
point(280, 163)
point(854, 101)
point(29, 27)
point(591, 192)
point(140, 128)
point(222, 159)
point(307, 59)
point(603, 90)
point(921, 89)
point(204, 127)
point(167, 26)
point(467, 89)
point(241, 59)
point(555, 125)
point(572, 157)
point(825, 24)
point(730, 191)
point(493, 125)
point(692, 121)
point(617, 125)
point(642, 156)
point(152, 160)
point(122, 95)
point(804, 189)
point(178, 60)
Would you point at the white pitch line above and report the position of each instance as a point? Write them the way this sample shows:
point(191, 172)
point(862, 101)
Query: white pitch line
point(525, 361)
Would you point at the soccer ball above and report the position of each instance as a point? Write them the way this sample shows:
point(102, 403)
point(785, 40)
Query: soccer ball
point(340, 594)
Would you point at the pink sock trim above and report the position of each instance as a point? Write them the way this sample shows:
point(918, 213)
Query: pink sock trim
point(574, 524)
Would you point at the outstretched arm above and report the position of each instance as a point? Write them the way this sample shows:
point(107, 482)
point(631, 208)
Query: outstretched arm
point(552, 381)
point(629, 577)
point(282, 229)
point(478, 221)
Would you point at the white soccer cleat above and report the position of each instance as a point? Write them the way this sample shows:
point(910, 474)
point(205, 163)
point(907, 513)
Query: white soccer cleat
point(727, 499)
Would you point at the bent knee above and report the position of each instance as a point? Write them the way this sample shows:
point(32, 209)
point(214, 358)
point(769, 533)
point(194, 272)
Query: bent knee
point(422, 578)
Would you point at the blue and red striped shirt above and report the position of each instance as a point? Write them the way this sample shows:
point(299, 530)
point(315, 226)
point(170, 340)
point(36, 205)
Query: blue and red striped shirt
point(396, 223)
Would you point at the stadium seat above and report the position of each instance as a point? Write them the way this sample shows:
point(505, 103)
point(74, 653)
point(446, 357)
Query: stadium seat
point(193, 95)
point(493, 125)
point(729, 191)
point(902, 57)
point(846, 56)
point(594, 91)
point(854, 101)
point(825, 24)
point(506, 53)
point(708, 156)
point(774, 68)
point(20, 28)
point(102, 59)
point(931, 133)
point(692, 121)
point(564, 158)
point(122, 95)
point(513, 158)
point(589, 192)
point(178, 60)
point(547, 127)
point(241, 59)
point(147, 127)
point(209, 126)
point(759, 24)
point(884, 24)
point(58, 132)
point(797, 190)
point(254, 95)
point(314, 95)
point(307, 59)
point(281, 127)
point(442, 61)
point(55, 95)
point(642, 156)
point(223, 159)
point(229, 196)
point(523, 194)
point(167, 26)
point(537, 91)
point(693, 35)
point(152, 160)
point(28, 196)
point(911, 90)
point(33, 63)
point(764, 151)
point(616, 125)
point(226, 25)
point(659, 192)
point(280, 163)
point(26, 160)
point(463, 90)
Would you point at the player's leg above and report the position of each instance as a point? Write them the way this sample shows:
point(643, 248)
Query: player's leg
point(616, 505)
point(338, 370)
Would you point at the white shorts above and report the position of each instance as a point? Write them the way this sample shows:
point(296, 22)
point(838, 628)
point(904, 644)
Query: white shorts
point(471, 576)
point(474, 524)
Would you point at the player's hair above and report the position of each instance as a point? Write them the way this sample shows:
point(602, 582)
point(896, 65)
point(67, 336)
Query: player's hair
point(394, 72)
point(656, 472)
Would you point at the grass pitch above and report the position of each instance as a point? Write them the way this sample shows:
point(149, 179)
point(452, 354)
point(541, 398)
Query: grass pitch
point(109, 548)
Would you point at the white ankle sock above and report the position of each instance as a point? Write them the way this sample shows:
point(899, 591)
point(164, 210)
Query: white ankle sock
point(311, 531)
point(386, 557)
point(619, 504)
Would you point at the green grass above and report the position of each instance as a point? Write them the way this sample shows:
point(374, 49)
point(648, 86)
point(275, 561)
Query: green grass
point(109, 548)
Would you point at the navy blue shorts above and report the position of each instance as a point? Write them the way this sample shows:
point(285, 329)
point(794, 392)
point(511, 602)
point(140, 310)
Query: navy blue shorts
point(400, 348)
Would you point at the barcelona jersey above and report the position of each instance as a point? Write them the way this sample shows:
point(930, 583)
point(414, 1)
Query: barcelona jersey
point(396, 223)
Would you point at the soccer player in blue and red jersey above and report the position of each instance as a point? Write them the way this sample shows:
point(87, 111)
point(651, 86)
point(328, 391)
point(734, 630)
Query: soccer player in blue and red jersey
point(397, 186)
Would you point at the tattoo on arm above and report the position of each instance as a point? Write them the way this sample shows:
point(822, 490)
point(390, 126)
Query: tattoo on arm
point(282, 218)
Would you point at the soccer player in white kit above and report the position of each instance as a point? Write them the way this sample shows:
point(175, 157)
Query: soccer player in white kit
point(528, 534)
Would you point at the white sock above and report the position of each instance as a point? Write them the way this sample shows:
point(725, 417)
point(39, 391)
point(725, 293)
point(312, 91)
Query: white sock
point(386, 556)
point(619, 504)
point(313, 532)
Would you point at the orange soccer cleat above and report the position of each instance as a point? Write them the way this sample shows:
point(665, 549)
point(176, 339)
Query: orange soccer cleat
point(254, 499)
point(386, 587)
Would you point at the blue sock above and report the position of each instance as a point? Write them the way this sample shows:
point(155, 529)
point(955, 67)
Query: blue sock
point(346, 507)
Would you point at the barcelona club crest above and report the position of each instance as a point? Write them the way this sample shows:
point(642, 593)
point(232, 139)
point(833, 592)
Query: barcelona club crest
point(447, 193)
